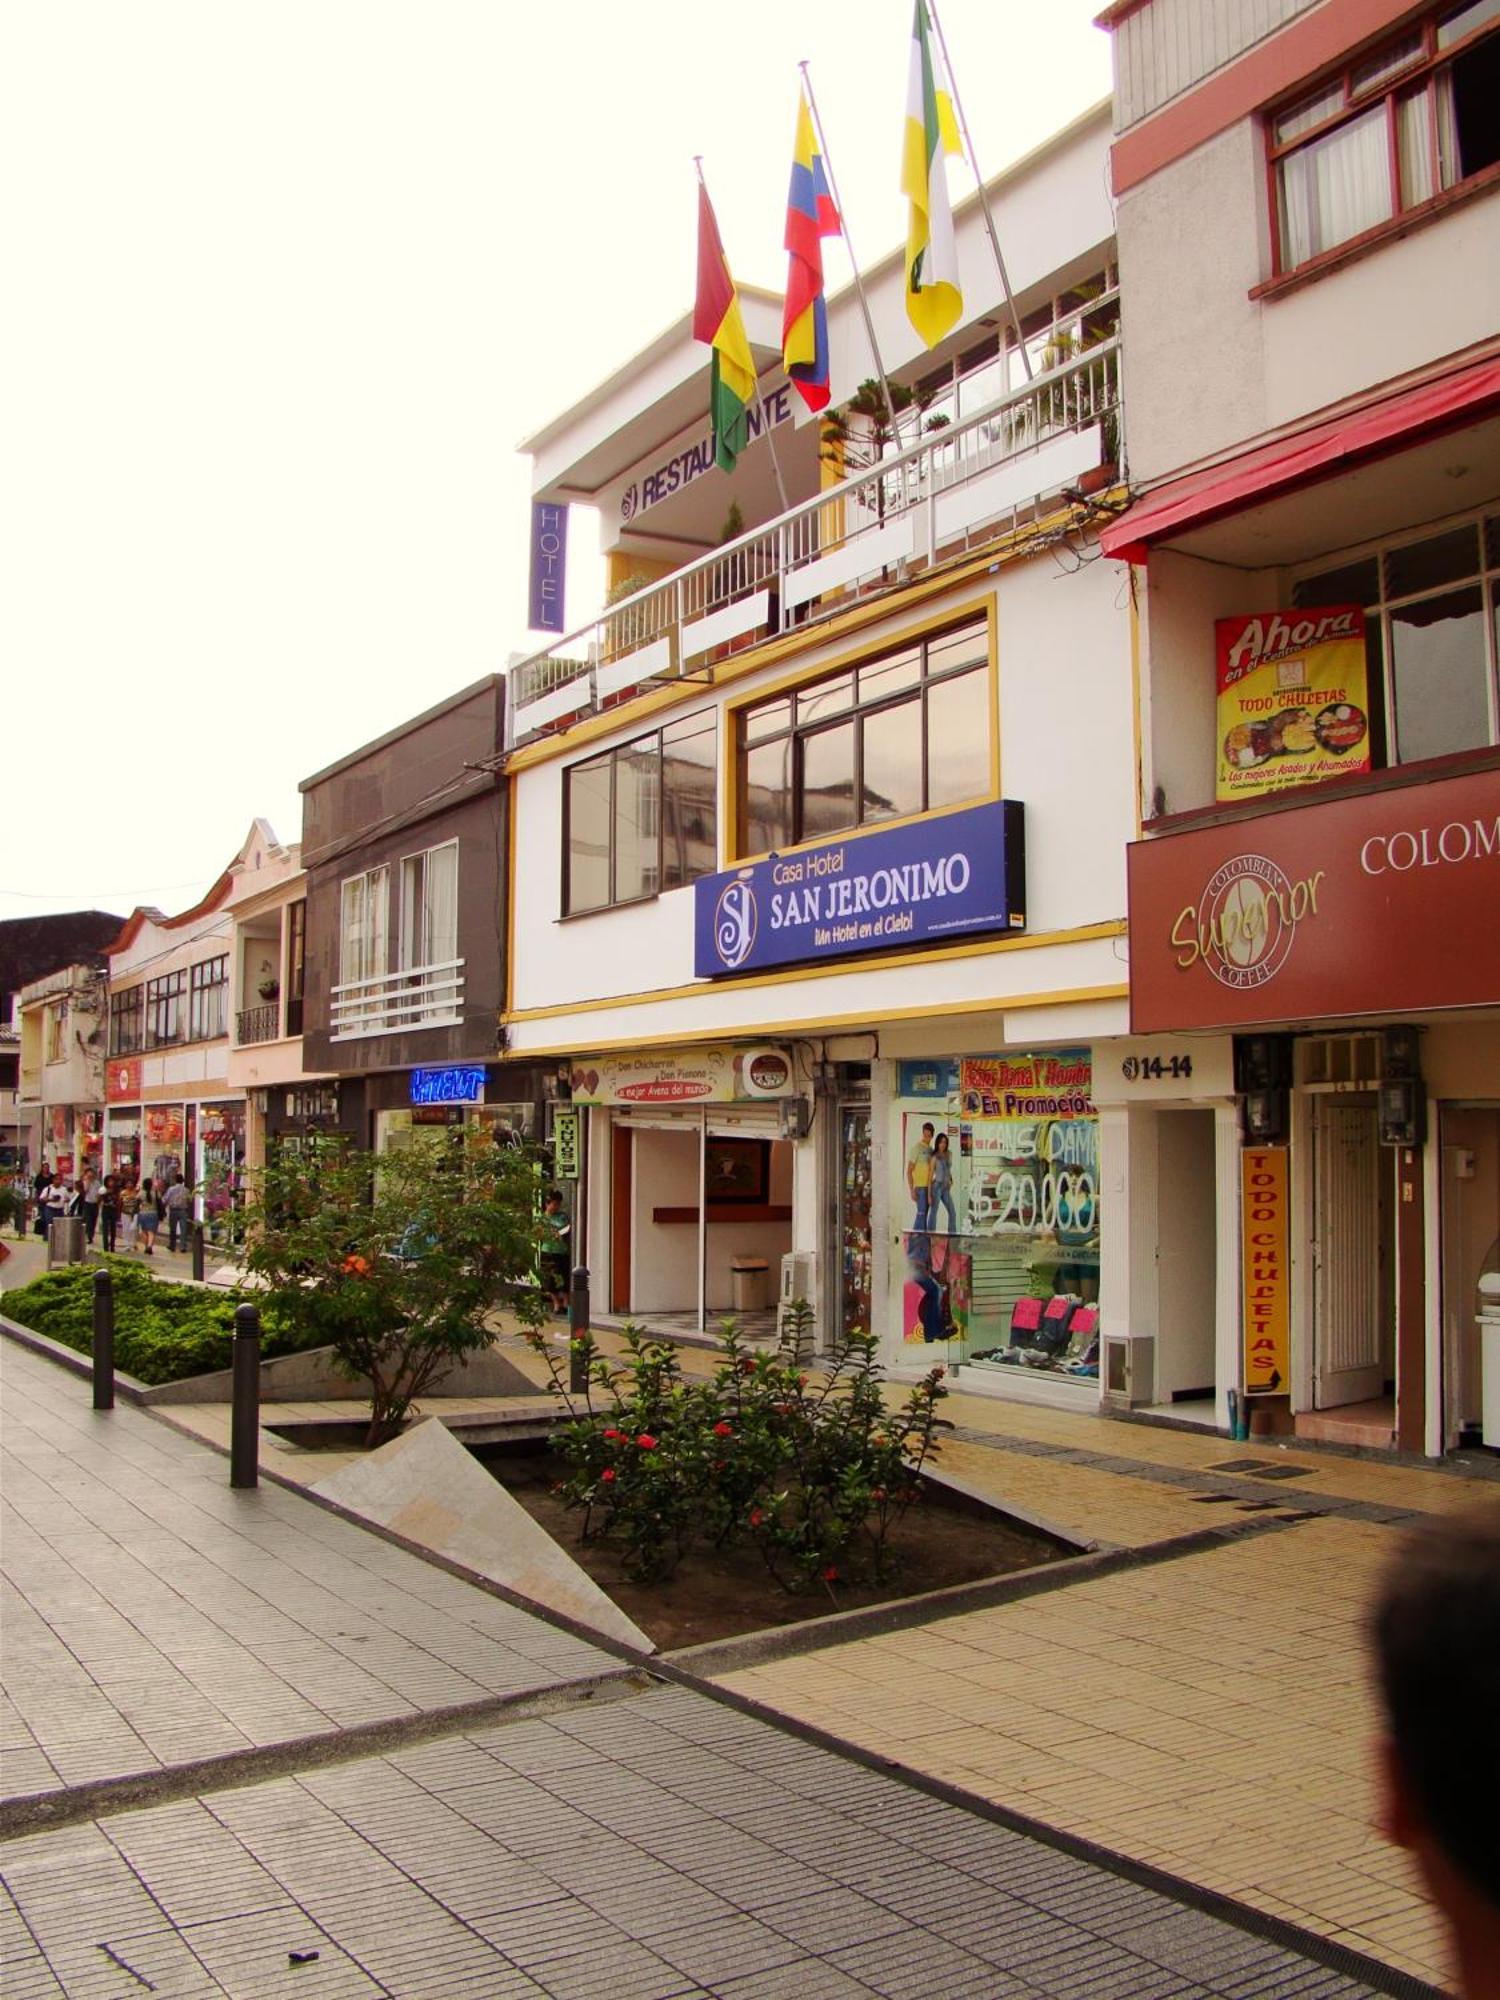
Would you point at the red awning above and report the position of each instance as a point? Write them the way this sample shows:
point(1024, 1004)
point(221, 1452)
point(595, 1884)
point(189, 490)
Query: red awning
point(1334, 446)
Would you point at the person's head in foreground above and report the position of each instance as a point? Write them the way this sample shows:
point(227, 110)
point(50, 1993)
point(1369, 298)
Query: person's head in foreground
point(1435, 1628)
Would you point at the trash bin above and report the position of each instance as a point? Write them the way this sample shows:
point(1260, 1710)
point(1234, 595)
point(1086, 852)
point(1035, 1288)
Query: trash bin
point(65, 1240)
point(747, 1278)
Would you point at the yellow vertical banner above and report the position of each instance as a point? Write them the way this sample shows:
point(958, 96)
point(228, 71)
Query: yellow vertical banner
point(1266, 1266)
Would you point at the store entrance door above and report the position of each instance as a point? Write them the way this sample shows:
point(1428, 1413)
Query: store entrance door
point(1348, 1307)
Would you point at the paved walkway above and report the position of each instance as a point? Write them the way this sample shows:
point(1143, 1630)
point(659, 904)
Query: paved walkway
point(245, 1732)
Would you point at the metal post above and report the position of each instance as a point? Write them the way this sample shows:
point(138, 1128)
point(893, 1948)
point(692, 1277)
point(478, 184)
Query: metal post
point(104, 1341)
point(244, 1427)
point(578, 1326)
point(197, 1249)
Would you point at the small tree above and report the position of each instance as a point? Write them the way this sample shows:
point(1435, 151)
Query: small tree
point(397, 1262)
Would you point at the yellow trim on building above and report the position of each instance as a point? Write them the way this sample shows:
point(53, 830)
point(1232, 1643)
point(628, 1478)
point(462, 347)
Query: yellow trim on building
point(825, 1023)
point(871, 962)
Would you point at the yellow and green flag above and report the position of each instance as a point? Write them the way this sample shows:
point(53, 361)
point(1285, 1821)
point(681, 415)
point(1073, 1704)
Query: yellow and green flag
point(934, 298)
point(717, 321)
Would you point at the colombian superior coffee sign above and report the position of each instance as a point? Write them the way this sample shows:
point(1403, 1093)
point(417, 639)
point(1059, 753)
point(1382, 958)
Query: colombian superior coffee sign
point(1293, 706)
point(1369, 905)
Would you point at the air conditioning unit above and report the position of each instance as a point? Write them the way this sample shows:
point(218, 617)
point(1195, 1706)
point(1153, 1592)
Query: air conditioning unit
point(1128, 1379)
point(798, 1281)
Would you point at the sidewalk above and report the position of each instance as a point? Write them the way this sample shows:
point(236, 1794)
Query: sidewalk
point(252, 1749)
point(1207, 1715)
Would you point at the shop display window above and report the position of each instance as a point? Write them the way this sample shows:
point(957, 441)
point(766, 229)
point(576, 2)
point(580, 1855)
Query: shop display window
point(998, 1201)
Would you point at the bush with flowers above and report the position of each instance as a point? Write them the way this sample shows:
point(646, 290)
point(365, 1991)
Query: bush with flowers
point(802, 1460)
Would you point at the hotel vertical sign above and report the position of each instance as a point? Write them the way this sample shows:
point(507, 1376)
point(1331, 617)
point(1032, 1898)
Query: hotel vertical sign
point(1267, 1270)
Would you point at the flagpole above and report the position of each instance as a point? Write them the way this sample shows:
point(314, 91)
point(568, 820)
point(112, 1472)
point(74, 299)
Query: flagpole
point(765, 422)
point(859, 283)
point(984, 199)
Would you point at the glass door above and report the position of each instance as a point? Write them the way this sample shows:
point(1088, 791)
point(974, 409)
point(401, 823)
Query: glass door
point(854, 1218)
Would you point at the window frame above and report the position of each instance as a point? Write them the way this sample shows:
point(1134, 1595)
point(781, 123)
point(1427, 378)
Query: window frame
point(708, 721)
point(1485, 576)
point(208, 977)
point(127, 1020)
point(1417, 76)
point(409, 959)
point(368, 878)
point(55, 1022)
point(923, 641)
point(165, 1015)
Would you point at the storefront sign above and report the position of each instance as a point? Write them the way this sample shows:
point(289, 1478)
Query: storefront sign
point(1372, 905)
point(462, 1084)
point(122, 1080)
point(1267, 1270)
point(684, 1076)
point(164, 1125)
point(1293, 705)
point(698, 458)
point(1051, 1085)
point(938, 1078)
point(566, 1149)
point(941, 878)
point(549, 566)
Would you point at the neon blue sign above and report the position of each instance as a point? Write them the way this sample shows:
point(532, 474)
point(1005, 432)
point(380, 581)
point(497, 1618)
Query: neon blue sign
point(461, 1084)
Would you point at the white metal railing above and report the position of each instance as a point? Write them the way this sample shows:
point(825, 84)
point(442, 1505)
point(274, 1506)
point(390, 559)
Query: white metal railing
point(956, 487)
point(416, 996)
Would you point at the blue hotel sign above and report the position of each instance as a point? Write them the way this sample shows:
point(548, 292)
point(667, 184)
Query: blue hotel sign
point(932, 881)
point(461, 1084)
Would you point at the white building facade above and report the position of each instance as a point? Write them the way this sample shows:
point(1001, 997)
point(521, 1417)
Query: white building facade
point(817, 901)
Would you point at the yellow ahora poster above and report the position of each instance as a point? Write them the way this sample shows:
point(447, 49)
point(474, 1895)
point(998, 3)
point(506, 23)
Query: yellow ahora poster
point(1293, 705)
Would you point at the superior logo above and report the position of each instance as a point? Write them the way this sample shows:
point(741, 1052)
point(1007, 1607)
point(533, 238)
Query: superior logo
point(1243, 925)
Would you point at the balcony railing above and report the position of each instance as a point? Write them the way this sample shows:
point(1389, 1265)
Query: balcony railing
point(419, 996)
point(956, 488)
point(257, 1024)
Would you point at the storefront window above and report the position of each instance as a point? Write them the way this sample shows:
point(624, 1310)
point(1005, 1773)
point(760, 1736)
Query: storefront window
point(998, 1199)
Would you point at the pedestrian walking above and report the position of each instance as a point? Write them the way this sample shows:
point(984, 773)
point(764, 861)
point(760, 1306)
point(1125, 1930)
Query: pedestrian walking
point(130, 1208)
point(40, 1188)
point(177, 1203)
point(109, 1212)
point(88, 1202)
point(147, 1218)
point(554, 1256)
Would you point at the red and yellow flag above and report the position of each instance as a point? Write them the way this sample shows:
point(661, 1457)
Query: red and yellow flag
point(717, 321)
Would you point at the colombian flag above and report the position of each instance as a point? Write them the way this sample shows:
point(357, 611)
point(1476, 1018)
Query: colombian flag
point(934, 298)
point(810, 216)
point(717, 321)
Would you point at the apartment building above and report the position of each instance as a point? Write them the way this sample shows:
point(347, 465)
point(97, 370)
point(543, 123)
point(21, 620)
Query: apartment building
point(1308, 1110)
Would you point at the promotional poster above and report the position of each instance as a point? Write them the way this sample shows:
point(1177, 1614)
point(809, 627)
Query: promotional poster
point(1293, 702)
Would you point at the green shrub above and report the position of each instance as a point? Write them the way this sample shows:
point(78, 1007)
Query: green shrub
point(163, 1332)
point(812, 1469)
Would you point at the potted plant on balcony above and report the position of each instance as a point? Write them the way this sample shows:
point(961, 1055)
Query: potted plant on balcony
point(269, 988)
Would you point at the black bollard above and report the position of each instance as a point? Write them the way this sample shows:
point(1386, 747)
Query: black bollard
point(104, 1341)
point(244, 1423)
point(197, 1247)
point(578, 1326)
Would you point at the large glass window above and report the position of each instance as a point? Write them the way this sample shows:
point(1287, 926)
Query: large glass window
point(1412, 118)
point(643, 817)
point(127, 1021)
point(429, 907)
point(1432, 615)
point(296, 964)
point(901, 735)
point(364, 910)
point(209, 988)
point(165, 1018)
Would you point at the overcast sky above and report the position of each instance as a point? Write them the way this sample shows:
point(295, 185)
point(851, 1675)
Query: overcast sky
point(286, 284)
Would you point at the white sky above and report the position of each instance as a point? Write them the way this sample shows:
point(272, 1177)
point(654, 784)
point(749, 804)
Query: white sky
point(286, 283)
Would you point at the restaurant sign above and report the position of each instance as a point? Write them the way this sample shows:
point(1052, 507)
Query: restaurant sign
point(935, 879)
point(1267, 1270)
point(683, 1076)
point(1371, 905)
point(122, 1079)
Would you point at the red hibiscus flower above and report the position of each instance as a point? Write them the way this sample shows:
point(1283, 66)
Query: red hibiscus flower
point(757, 1515)
point(357, 1267)
point(830, 1575)
point(723, 1430)
point(607, 1474)
point(613, 1434)
point(646, 1441)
